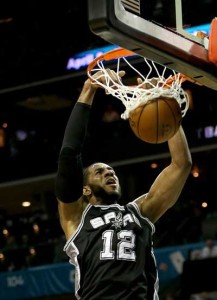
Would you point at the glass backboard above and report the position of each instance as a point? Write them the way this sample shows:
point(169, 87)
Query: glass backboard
point(156, 30)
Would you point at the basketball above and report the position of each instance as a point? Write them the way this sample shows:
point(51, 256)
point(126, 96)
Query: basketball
point(157, 120)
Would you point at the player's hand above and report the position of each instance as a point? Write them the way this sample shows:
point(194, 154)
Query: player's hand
point(107, 79)
point(147, 85)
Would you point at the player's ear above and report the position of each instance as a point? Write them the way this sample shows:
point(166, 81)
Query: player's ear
point(86, 190)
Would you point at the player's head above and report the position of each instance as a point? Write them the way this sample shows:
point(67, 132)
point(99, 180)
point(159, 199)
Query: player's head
point(101, 184)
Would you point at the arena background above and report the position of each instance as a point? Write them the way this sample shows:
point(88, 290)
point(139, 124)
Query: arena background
point(37, 92)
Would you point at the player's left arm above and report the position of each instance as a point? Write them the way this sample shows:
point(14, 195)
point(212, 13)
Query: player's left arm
point(167, 187)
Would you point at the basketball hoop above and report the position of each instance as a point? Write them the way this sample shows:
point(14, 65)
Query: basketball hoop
point(151, 86)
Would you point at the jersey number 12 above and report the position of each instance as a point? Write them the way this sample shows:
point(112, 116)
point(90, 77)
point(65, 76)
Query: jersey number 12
point(125, 246)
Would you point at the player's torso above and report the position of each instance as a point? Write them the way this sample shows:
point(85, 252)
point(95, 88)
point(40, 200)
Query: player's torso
point(113, 244)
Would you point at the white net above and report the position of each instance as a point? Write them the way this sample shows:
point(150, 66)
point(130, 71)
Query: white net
point(147, 89)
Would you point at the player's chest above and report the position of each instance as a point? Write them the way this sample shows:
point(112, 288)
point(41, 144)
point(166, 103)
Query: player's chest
point(113, 220)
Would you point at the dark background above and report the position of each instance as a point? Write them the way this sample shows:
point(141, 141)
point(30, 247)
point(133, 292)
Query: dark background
point(37, 93)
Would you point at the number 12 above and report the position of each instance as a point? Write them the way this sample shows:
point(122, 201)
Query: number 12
point(124, 247)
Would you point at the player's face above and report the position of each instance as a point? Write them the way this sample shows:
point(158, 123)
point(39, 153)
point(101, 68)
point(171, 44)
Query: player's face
point(104, 183)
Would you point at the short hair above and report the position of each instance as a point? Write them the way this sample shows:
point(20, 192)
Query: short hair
point(86, 172)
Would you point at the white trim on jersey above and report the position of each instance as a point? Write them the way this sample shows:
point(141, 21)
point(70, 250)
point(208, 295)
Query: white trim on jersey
point(72, 251)
point(121, 207)
point(135, 205)
point(79, 226)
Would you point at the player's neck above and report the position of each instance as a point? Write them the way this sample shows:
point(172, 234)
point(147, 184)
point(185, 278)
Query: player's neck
point(99, 201)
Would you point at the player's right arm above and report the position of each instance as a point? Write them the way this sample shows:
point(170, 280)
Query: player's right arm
point(69, 178)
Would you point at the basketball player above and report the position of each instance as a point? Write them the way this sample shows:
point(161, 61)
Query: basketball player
point(111, 245)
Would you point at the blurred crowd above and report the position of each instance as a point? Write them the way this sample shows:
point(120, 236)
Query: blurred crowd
point(30, 240)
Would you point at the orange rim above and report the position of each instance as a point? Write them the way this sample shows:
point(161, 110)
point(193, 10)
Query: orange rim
point(113, 54)
point(182, 78)
point(121, 52)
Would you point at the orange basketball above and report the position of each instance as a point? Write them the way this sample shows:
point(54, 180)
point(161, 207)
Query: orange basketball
point(157, 120)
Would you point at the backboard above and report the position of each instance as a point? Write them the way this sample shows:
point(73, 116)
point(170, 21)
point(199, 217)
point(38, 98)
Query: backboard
point(130, 25)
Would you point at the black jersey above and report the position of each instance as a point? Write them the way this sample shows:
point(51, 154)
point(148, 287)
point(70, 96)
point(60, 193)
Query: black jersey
point(113, 255)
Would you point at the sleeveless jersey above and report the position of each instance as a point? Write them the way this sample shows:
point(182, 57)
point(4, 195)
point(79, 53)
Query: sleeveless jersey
point(113, 255)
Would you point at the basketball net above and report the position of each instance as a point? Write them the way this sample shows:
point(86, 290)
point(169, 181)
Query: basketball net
point(151, 87)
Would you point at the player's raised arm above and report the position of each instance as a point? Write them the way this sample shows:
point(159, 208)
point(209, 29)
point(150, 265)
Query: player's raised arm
point(69, 178)
point(167, 187)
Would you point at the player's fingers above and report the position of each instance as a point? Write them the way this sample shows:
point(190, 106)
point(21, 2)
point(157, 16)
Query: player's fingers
point(115, 75)
point(121, 73)
point(139, 80)
point(147, 84)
